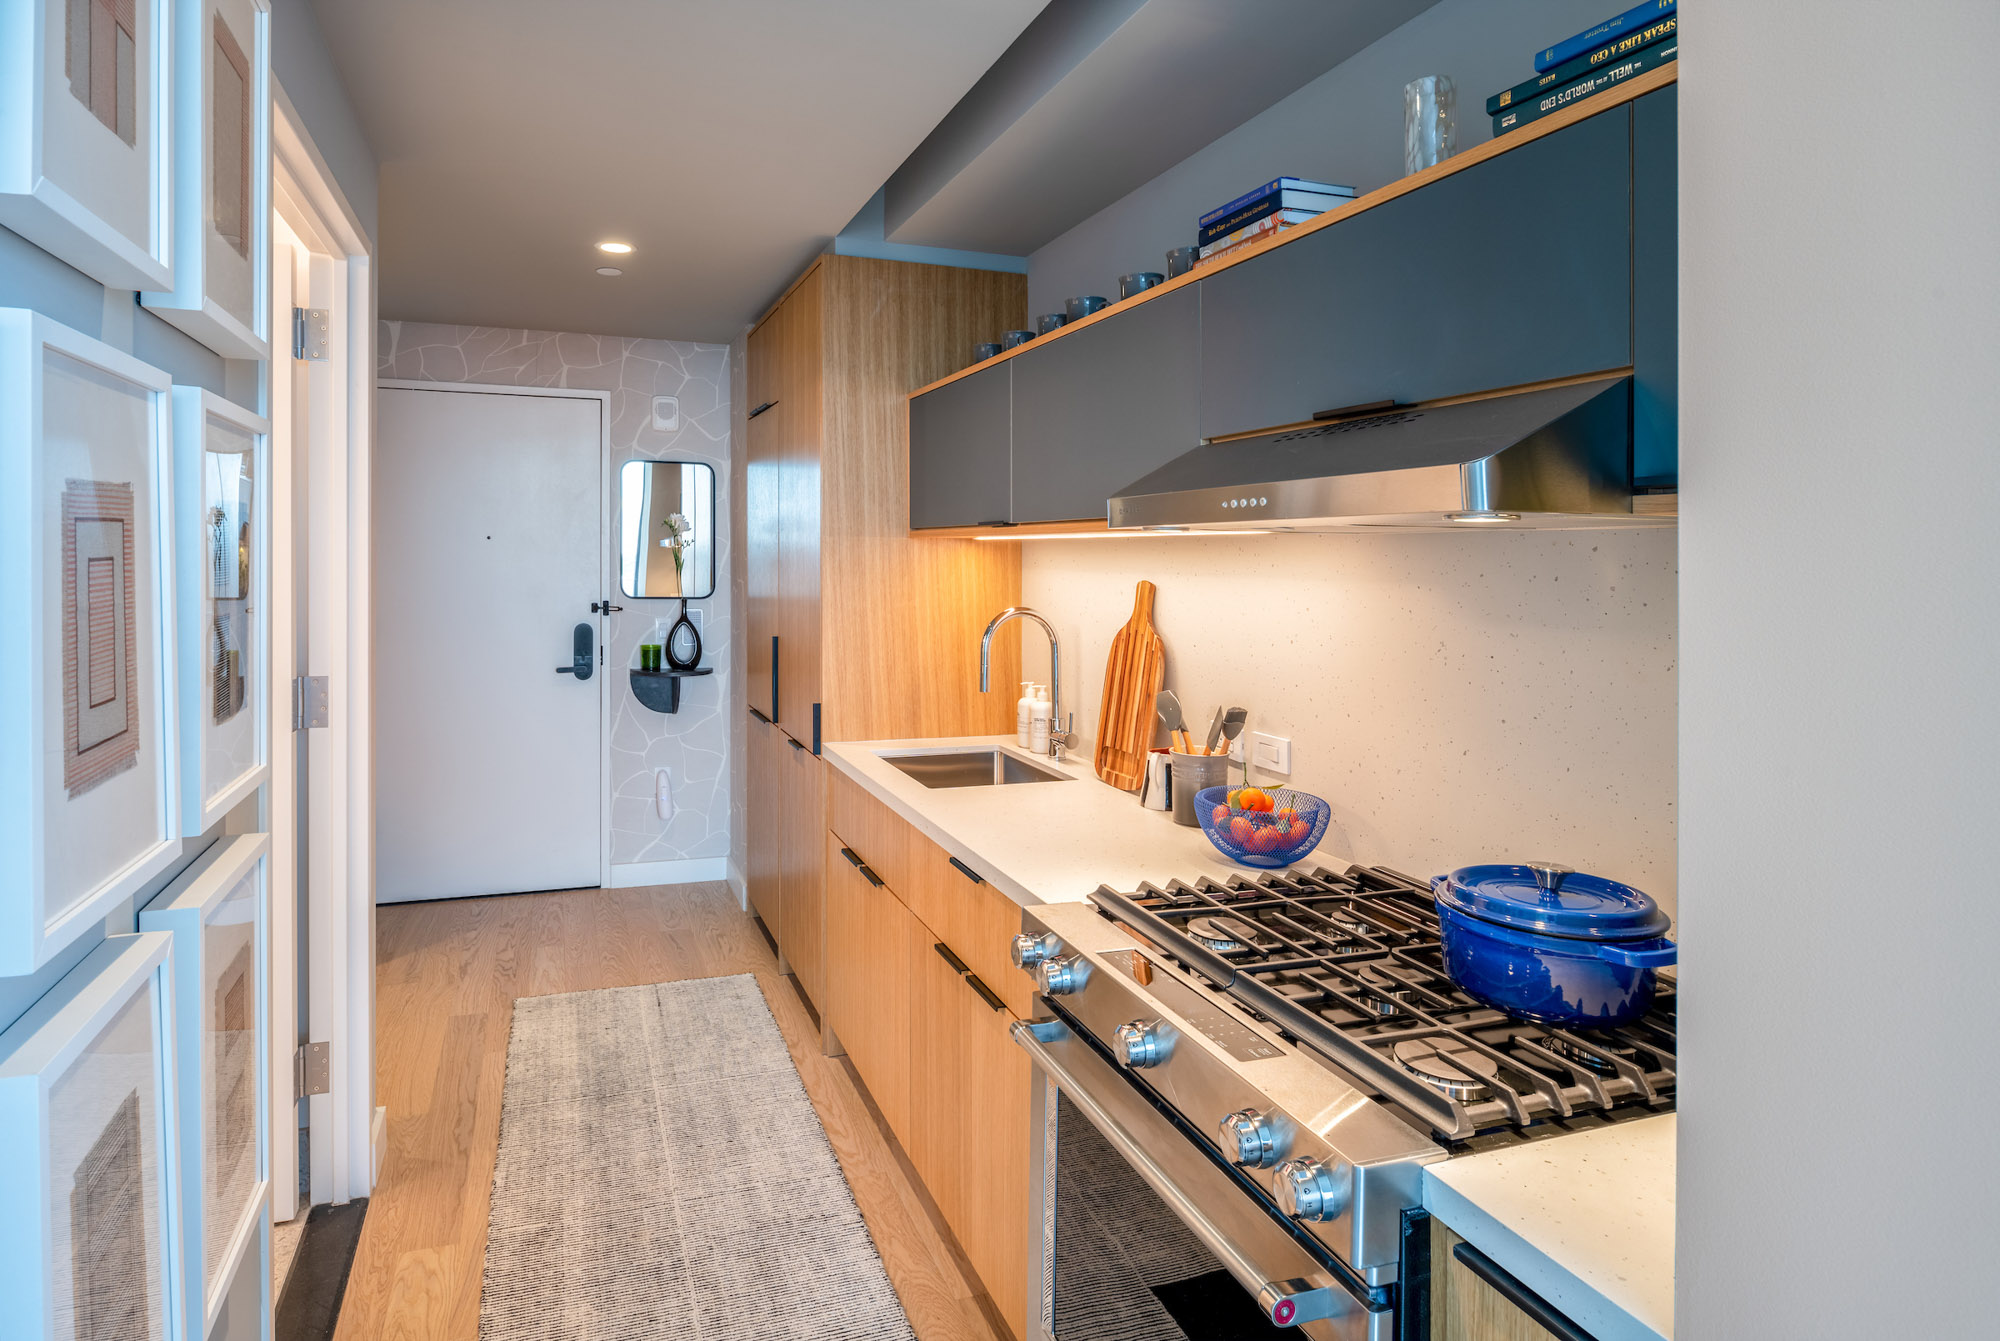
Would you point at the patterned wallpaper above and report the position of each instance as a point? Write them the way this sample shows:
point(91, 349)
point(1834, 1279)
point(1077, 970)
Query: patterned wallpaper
point(692, 745)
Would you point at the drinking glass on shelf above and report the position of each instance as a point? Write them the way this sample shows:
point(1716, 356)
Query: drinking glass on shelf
point(1430, 122)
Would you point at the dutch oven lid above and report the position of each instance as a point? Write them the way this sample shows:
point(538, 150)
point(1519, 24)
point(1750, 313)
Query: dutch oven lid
point(1553, 900)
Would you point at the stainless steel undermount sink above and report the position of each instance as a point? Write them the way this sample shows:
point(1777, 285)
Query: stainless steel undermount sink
point(938, 769)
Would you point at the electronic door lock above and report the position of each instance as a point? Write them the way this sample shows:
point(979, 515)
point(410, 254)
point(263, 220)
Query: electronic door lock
point(582, 652)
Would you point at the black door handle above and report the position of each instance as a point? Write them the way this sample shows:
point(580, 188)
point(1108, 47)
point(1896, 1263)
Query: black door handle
point(582, 652)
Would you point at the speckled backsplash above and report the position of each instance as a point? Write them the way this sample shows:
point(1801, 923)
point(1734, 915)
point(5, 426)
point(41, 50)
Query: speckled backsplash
point(1458, 698)
point(692, 745)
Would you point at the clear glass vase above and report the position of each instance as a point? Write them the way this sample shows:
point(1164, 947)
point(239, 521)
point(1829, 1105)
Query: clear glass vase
point(1430, 122)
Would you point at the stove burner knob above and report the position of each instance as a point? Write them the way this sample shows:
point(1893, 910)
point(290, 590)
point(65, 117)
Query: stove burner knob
point(1309, 1189)
point(1249, 1140)
point(1062, 975)
point(1143, 1043)
point(1029, 950)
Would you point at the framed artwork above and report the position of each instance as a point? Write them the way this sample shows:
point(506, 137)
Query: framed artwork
point(222, 177)
point(86, 135)
point(221, 483)
point(89, 736)
point(89, 1221)
point(217, 913)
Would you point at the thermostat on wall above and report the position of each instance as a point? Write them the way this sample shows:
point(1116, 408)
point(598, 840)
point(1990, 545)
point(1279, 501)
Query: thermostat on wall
point(666, 413)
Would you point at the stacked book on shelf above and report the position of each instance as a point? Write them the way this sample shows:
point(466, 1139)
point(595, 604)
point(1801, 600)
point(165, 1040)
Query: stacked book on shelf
point(1597, 58)
point(1269, 210)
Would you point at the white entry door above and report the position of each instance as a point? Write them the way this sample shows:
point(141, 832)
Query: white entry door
point(489, 536)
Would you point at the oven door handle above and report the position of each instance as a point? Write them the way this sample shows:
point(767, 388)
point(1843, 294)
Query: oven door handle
point(1286, 1303)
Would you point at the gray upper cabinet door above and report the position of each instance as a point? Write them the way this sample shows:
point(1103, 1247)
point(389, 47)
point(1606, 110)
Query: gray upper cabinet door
point(1656, 370)
point(959, 464)
point(1512, 271)
point(1103, 406)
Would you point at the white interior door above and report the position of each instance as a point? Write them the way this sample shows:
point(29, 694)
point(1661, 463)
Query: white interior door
point(488, 535)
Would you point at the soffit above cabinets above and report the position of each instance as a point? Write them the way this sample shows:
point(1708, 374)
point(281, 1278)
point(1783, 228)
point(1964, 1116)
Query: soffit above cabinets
point(1098, 97)
point(726, 142)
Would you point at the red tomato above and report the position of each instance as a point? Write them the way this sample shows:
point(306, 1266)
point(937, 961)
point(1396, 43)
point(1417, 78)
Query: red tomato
point(1268, 838)
point(1299, 832)
point(1241, 831)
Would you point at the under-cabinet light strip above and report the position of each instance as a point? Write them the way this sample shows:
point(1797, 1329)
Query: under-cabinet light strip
point(1139, 534)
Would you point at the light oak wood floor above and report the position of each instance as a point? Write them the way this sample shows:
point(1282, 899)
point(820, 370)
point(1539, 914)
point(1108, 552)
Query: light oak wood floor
point(447, 976)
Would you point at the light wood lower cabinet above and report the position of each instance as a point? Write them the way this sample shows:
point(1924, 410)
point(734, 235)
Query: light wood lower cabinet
point(764, 805)
point(801, 932)
point(904, 969)
point(1466, 1308)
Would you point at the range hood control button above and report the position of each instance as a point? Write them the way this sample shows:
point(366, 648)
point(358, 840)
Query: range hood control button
point(1143, 1043)
point(1062, 975)
point(1249, 1140)
point(1310, 1189)
point(1029, 950)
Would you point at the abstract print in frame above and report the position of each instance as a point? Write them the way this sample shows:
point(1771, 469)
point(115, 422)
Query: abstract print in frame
point(222, 177)
point(217, 912)
point(86, 135)
point(89, 1226)
point(89, 738)
point(221, 482)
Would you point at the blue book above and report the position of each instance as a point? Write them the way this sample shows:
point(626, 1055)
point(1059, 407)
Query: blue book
point(1596, 81)
point(1273, 187)
point(1578, 66)
point(1302, 202)
point(1600, 34)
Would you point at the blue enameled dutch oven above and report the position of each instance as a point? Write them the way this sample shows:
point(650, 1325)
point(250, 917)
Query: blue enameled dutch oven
point(1551, 945)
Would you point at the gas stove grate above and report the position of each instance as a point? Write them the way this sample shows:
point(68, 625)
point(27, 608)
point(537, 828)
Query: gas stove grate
point(1350, 965)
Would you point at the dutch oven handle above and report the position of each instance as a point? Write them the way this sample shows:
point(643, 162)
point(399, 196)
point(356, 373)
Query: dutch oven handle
point(1640, 954)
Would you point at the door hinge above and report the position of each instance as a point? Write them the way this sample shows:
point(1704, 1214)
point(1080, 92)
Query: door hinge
point(312, 1070)
point(308, 702)
point(310, 327)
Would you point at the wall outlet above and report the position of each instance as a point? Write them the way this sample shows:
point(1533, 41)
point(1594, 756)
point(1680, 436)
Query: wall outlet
point(666, 413)
point(1273, 754)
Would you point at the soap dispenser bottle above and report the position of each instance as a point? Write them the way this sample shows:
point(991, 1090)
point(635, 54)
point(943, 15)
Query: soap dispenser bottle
point(1024, 715)
point(1038, 721)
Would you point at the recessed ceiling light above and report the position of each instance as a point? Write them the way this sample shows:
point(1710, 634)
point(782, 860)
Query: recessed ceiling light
point(615, 248)
point(609, 270)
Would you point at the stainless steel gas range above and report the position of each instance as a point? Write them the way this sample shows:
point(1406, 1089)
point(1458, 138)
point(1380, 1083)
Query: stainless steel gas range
point(1244, 1081)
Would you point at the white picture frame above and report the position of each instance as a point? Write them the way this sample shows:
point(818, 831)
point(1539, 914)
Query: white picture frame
point(86, 172)
point(89, 1206)
point(222, 196)
point(221, 595)
point(218, 913)
point(89, 727)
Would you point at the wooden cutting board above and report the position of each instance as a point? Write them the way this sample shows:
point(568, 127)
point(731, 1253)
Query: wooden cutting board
point(1133, 676)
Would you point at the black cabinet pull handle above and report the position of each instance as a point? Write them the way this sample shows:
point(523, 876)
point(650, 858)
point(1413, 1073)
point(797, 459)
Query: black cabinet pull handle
point(774, 677)
point(985, 992)
point(957, 964)
point(759, 410)
point(760, 717)
point(1517, 1294)
point(966, 871)
point(853, 857)
point(793, 743)
point(867, 871)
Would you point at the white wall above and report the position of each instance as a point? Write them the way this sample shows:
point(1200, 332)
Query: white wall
point(1346, 126)
point(1458, 698)
point(1840, 632)
point(692, 744)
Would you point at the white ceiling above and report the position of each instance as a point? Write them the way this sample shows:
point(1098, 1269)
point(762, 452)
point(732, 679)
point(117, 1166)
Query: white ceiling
point(727, 140)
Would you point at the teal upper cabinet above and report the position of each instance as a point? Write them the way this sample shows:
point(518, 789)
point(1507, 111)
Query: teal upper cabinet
point(1656, 372)
point(1103, 406)
point(960, 451)
point(1512, 271)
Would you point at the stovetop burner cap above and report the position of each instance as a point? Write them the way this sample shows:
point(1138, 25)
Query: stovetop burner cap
point(1456, 1073)
point(1224, 935)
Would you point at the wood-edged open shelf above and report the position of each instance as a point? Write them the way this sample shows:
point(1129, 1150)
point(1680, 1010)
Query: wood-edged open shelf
point(1624, 93)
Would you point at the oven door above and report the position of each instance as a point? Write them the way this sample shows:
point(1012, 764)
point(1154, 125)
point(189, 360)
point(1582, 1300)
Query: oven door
point(1142, 1237)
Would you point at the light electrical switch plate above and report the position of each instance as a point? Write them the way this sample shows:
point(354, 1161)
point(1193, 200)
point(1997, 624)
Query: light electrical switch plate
point(666, 413)
point(1273, 754)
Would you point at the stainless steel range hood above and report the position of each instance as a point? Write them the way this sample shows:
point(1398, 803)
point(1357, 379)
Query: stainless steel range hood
point(1556, 457)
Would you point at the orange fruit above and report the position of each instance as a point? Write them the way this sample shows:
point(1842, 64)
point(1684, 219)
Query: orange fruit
point(1241, 831)
point(1298, 831)
point(1254, 798)
point(1219, 815)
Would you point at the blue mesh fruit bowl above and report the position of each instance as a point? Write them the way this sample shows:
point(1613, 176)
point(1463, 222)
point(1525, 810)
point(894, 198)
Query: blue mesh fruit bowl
point(1259, 827)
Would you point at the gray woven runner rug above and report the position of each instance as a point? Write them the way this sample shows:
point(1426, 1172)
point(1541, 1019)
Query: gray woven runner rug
point(662, 1175)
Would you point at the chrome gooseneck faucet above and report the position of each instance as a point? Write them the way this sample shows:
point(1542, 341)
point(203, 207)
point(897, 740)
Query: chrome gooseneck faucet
point(1059, 736)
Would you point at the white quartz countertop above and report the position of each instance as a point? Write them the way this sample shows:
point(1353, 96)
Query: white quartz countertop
point(1044, 842)
point(1586, 1221)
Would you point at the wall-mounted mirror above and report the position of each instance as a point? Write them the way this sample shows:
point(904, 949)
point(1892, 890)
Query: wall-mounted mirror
point(666, 535)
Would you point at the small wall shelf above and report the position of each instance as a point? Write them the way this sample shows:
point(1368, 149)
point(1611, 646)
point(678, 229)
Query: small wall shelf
point(661, 690)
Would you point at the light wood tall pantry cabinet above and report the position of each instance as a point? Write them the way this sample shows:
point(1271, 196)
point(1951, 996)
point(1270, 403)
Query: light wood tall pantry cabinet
point(855, 630)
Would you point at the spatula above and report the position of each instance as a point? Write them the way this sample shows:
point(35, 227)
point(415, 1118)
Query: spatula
point(1176, 724)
